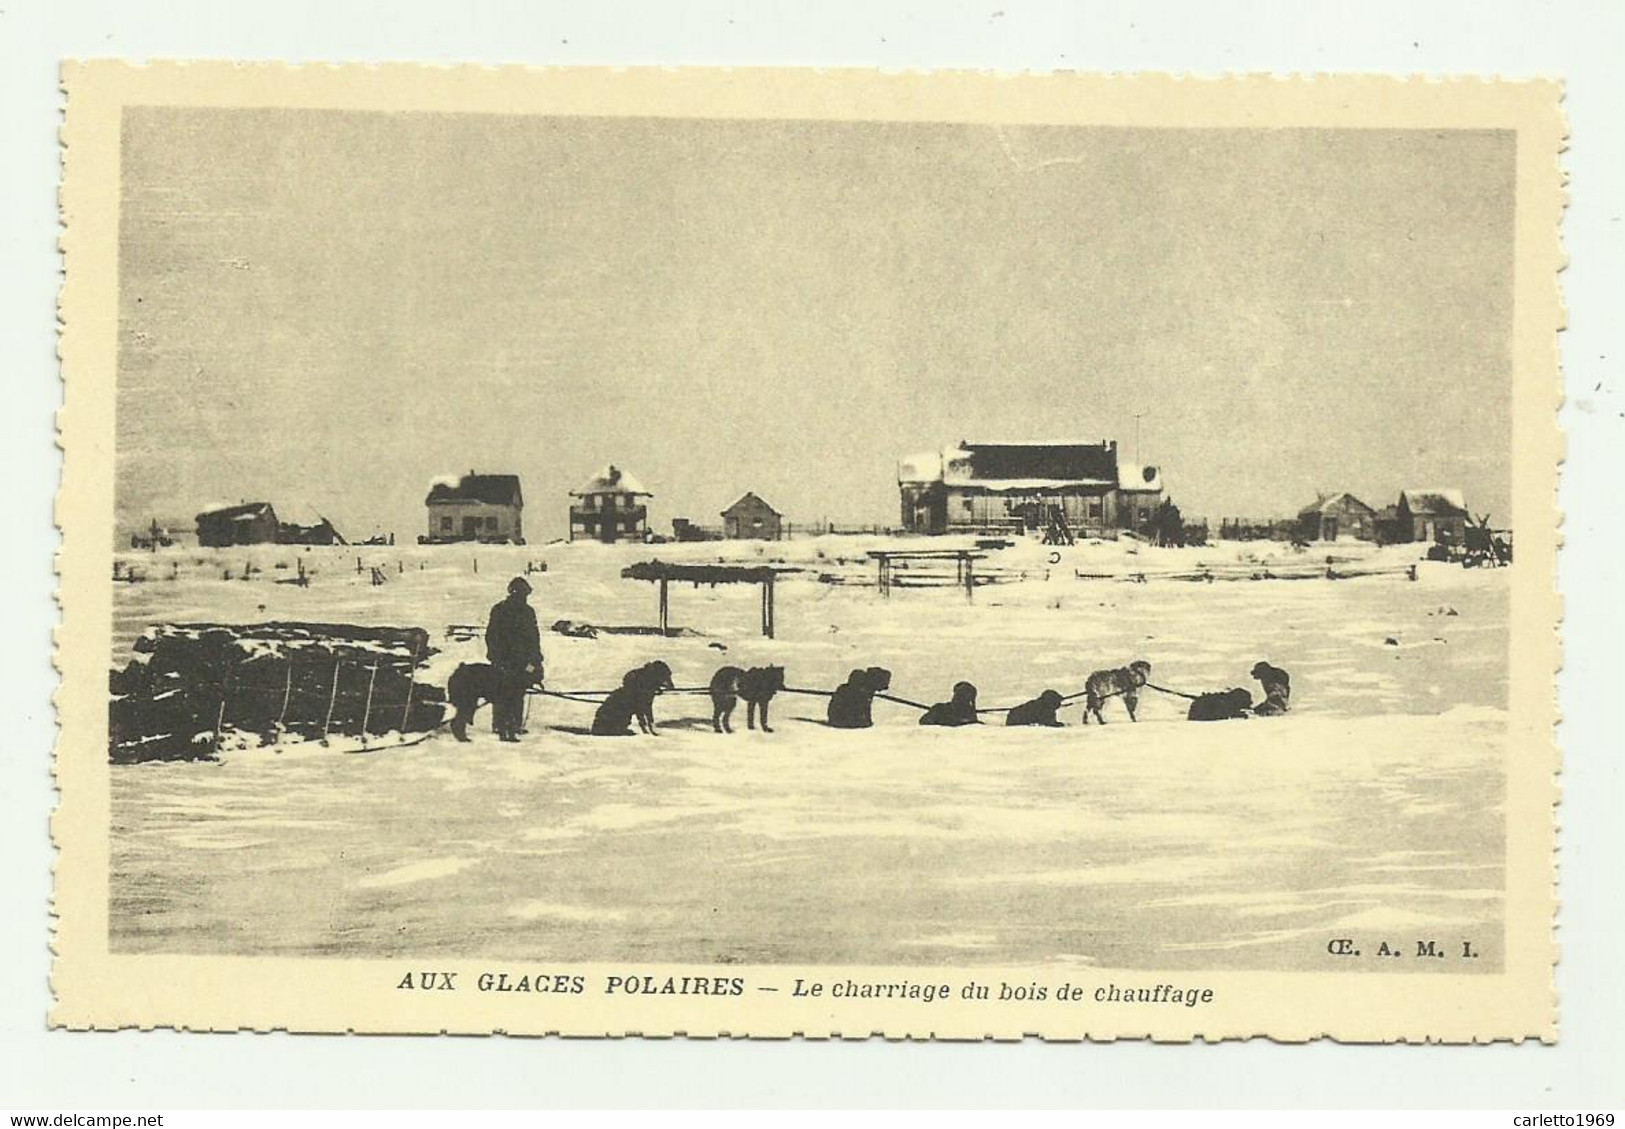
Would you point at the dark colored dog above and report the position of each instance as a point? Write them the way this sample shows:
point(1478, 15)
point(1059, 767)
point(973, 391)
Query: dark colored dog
point(1223, 705)
point(852, 705)
point(1039, 711)
point(757, 686)
point(961, 710)
point(1277, 689)
point(1124, 682)
point(633, 699)
point(470, 686)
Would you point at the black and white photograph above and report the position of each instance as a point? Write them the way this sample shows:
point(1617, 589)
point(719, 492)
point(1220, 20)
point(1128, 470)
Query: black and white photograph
point(788, 556)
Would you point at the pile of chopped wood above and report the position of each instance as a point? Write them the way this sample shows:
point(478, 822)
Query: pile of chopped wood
point(192, 685)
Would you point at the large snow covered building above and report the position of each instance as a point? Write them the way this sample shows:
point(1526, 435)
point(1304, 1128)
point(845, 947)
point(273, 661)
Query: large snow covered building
point(1027, 485)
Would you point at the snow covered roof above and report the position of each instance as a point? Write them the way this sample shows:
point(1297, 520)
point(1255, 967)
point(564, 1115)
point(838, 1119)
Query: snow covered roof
point(1344, 500)
point(1029, 464)
point(1433, 500)
point(491, 489)
point(611, 480)
point(244, 511)
point(1134, 477)
point(750, 500)
point(1080, 463)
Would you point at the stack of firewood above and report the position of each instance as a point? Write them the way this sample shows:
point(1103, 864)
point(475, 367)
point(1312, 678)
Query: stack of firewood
point(192, 686)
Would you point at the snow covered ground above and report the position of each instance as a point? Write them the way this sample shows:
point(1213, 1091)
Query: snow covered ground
point(1375, 807)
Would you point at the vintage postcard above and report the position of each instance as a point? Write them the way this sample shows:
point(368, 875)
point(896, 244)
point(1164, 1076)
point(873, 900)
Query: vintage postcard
point(770, 553)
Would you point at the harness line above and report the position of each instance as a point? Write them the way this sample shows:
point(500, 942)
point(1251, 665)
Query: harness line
point(578, 696)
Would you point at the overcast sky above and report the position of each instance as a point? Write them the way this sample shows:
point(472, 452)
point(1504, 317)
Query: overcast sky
point(326, 310)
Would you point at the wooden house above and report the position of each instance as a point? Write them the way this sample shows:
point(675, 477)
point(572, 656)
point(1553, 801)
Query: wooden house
point(1433, 515)
point(1027, 486)
point(607, 508)
point(250, 523)
point(476, 507)
point(750, 518)
point(1337, 515)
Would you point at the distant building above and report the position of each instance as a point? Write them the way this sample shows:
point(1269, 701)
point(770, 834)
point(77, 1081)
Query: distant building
point(607, 508)
point(476, 507)
point(1337, 515)
point(1433, 515)
point(251, 523)
point(1026, 486)
point(322, 533)
point(750, 518)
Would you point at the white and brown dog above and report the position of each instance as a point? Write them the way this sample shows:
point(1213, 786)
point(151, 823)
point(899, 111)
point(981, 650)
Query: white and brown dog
point(1124, 682)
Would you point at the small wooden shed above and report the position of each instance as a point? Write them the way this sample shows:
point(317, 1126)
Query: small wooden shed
point(751, 518)
point(1337, 515)
point(1437, 515)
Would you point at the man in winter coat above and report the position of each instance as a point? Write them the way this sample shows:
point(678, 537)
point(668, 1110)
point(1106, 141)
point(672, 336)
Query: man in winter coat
point(513, 644)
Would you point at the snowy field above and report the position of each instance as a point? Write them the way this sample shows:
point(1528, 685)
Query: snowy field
point(1374, 809)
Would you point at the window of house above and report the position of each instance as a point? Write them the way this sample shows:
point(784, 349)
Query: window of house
point(447, 525)
point(1094, 507)
point(589, 503)
point(491, 524)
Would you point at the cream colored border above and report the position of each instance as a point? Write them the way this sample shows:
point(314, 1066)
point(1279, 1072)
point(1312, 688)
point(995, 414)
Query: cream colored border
point(96, 989)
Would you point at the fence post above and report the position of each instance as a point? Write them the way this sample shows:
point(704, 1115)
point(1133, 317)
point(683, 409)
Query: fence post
point(332, 698)
point(220, 718)
point(287, 691)
point(411, 685)
point(366, 711)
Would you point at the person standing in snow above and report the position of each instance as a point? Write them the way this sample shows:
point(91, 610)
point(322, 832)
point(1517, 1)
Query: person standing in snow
point(513, 645)
point(1277, 689)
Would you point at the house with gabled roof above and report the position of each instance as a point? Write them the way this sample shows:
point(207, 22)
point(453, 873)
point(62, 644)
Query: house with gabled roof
point(248, 523)
point(1433, 514)
point(476, 507)
point(751, 518)
point(1332, 516)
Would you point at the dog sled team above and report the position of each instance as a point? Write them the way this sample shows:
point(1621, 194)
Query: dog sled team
point(515, 665)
